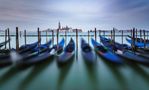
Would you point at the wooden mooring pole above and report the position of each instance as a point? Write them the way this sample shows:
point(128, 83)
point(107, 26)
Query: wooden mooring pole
point(113, 36)
point(133, 39)
point(136, 34)
point(95, 34)
point(131, 32)
point(25, 37)
point(65, 38)
point(104, 33)
point(88, 37)
point(5, 38)
point(141, 35)
point(17, 39)
point(9, 39)
point(144, 38)
point(57, 36)
point(122, 37)
point(53, 36)
point(46, 36)
point(99, 34)
point(77, 39)
point(39, 39)
point(76, 44)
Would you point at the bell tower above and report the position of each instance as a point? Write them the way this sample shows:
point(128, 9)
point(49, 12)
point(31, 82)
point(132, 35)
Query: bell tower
point(59, 25)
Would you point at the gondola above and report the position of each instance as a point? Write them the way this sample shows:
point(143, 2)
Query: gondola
point(21, 57)
point(41, 47)
point(87, 52)
point(37, 50)
point(41, 57)
point(105, 53)
point(139, 44)
point(136, 43)
point(28, 47)
point(3, 43)
point(138, 39)
point(140, 47)
point(124, 53)
point(24, 49)
point(67, 54)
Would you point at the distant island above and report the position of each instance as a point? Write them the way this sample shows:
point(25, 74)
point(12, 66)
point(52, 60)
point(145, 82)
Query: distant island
point(63, 29)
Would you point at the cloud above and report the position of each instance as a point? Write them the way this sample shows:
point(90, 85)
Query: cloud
point(85, 14)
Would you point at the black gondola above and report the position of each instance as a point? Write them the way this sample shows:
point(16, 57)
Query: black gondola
point(87, 52)
point(43, 55)
point(106, 54)
point(123, 52)
point(67, 54)
point(14, 56)
point(22, 50)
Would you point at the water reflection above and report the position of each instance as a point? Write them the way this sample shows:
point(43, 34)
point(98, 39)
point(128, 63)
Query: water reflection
point(116, 71)
point(91, 69)
point(37, 69)
point(63, 73)
point(139, 70)
point(9, 74)
point(76, 55)
point(92, 75)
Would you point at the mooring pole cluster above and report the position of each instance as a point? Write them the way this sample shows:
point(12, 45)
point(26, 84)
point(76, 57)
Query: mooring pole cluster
point(136, 35)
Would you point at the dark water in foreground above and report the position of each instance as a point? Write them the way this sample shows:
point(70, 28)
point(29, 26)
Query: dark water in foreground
point(76, 75)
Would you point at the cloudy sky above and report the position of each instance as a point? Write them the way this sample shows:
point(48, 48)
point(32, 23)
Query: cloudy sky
point(85, 14)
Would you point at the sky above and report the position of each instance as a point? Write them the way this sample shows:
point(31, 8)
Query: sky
point(83, 14)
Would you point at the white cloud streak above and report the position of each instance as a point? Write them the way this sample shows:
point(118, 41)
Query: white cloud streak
point(85, 14)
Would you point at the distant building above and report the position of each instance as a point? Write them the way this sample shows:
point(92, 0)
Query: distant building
point(63, 29)
point(79, 30)
point(67, 29)
point(59, 25)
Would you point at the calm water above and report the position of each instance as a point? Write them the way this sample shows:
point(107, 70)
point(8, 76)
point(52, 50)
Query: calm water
point(75, 76)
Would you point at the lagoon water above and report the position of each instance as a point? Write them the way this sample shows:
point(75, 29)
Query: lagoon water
point(75, 76)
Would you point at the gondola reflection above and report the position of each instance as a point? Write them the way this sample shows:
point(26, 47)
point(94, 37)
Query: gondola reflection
point(67, 65)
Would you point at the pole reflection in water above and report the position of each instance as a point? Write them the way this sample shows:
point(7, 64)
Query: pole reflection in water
point(77, 74)
point(116, 72)
point(63, 73)
point(92, 74)
point(139, 71)
point(36, 70)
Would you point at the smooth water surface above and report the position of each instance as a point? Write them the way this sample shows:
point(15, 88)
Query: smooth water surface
point(76, 76)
